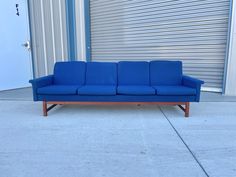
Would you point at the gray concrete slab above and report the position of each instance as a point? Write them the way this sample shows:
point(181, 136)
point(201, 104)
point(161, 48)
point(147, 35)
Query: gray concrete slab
point(90, 141)
point(216, 97)
point(211, 135)
point(17, 94)
point(116, 141)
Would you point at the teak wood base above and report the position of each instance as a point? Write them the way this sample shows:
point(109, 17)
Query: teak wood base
point(55, 103)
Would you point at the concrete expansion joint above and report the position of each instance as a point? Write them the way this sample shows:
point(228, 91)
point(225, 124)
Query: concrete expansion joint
point(185, 144)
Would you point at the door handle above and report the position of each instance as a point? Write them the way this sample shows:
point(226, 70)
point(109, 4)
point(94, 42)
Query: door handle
point(26, 45)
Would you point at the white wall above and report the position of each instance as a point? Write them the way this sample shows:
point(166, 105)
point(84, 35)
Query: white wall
point(230, 87)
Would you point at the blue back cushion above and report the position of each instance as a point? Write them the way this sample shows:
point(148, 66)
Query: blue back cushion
point(101, 73)
point(133, 73)
point(166, 72)
point(69, 73)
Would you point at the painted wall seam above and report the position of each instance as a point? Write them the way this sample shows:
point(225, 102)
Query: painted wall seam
point(71, 30)
point(44, 37)
point(82, 28)
point(61, 31)
point(87, 29)
point(53, 34)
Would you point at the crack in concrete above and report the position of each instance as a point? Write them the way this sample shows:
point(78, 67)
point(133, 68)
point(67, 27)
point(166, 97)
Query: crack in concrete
point(186, 145)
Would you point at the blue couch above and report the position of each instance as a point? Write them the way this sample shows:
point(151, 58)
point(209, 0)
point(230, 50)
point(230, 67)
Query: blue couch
point(125, 82)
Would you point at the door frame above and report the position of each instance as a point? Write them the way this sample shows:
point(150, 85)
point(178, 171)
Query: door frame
point(227, 53)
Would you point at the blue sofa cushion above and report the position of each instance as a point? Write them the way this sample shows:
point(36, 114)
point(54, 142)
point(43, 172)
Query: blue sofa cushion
point(69, 73)
point(58, 90)
point(101, 73)
point(133, 73)
point(174, 90)
point(166, 72)
point(97, 90)
point(135, 90)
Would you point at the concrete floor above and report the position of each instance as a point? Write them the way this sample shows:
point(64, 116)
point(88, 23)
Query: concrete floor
point(23, 94)
point(116, 141)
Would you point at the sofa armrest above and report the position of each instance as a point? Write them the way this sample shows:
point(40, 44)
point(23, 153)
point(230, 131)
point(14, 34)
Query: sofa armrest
point(194, 83)
point(40, 82)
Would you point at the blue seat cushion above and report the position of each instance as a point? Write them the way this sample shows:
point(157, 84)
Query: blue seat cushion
point(133, 73)
point(174, 90)
point(58, 90)
point(135, 90)
point(166, 72)
point(101, 73)
point(97, 90)
point(69, 73)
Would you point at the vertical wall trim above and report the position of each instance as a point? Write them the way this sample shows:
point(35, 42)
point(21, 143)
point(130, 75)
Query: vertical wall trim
point(82, 30)
point(31, 38)
point(87, 30)
point(71, 29)
point(61, 32)
point(53, 33)
point(227, 47)
point(44, 38)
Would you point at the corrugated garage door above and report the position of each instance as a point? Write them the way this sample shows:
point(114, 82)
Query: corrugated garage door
point(194, 31)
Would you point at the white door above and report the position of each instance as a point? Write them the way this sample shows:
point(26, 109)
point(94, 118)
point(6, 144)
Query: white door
point(15, 60)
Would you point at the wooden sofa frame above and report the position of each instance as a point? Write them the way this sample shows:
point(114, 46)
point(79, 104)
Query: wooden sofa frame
point(185, 106)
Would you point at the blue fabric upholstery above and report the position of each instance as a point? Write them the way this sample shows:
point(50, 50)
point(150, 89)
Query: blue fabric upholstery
point(101, 73)
point(69, 73)
point(193, 83)
point(97, 90)
point(68, 83)
point(58, 90)
point(40, 82)
point(135, 90)
point(118, 98)
point(166, 72)
point(133, 73)
point(174, 90)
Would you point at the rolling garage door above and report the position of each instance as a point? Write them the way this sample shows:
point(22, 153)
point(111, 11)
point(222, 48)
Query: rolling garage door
point(194, 31)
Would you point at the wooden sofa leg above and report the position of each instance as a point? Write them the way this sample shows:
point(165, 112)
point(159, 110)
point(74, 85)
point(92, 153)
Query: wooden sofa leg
point(45, 109)
point(187, 107)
